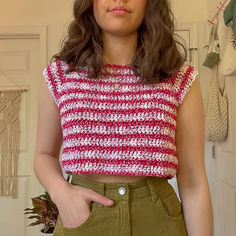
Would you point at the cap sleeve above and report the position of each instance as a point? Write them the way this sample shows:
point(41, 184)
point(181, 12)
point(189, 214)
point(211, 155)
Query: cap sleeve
point(52, 80)
point(184, 81)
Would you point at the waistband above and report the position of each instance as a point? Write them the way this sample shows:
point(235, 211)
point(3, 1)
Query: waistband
point(150, 186)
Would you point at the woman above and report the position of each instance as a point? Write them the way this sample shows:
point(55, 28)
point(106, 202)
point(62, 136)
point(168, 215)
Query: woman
point(116, 97)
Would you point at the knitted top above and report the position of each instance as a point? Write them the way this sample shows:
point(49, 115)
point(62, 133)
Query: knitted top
point(116, 124)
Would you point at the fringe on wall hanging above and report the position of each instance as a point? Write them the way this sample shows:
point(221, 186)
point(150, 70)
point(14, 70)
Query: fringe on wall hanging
point(9, 141)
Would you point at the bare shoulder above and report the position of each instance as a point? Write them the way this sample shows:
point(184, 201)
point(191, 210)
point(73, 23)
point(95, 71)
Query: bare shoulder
point(192, 103)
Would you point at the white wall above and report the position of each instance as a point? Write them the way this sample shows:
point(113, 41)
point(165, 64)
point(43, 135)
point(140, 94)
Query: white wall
point(53, 13)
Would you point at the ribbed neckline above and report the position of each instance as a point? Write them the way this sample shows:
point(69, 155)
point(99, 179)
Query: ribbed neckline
point(117, 65)
point(117, 69)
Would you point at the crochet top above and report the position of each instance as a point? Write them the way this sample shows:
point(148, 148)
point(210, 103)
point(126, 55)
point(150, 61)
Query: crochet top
point(116, 124)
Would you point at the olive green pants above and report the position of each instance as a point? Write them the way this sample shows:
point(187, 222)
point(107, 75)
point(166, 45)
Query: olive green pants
point(149, 207)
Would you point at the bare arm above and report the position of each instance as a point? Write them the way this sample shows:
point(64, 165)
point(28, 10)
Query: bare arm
point(192, 178)
point(48, 143)
point(46, 163)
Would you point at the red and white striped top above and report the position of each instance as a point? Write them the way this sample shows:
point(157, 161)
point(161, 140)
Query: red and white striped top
point(116, 124)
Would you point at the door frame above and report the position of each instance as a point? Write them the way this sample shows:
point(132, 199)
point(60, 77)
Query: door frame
point(28, 32)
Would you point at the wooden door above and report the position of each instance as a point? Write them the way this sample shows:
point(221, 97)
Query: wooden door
point(21, 52)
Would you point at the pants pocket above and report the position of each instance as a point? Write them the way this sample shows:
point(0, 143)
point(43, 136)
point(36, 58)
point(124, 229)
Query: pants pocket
point(171, 206)
point(171, 213)
point(61, 227)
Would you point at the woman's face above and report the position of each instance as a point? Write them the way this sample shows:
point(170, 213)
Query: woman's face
point(119, 17)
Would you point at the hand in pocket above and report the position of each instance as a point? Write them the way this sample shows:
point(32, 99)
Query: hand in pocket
point(74, 204)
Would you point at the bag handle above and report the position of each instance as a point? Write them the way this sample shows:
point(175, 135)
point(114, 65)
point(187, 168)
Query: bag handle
point(217, 76)
point(213, 34)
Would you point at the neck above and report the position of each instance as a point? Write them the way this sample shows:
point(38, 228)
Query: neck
point(119, 50)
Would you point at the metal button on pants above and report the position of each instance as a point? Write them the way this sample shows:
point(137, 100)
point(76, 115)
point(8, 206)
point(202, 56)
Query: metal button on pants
point(122, 190)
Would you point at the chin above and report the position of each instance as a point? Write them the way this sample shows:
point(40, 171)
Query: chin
point(119, 31)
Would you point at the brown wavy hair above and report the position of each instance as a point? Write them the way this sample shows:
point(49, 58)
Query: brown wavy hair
point(157, 57)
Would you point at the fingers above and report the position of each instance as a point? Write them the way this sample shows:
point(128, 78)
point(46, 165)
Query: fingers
point(91, 195)
point(97, 197)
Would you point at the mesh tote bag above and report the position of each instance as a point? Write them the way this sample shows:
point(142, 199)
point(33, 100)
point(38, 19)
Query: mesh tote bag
point(216, 111)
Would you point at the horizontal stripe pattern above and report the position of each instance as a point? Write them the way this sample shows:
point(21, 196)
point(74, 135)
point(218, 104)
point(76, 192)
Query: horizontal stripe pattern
point(129, 131)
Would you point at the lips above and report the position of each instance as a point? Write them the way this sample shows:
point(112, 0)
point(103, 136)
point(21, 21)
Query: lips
point(120, 8)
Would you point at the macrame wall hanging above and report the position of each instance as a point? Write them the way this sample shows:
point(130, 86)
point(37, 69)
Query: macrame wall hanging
point(9, 139)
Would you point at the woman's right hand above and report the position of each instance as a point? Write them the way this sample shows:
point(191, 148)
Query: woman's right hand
point(73, 203)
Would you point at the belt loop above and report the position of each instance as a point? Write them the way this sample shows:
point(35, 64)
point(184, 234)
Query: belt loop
point(101, 190)
point(69, 176)
point(152, 188)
